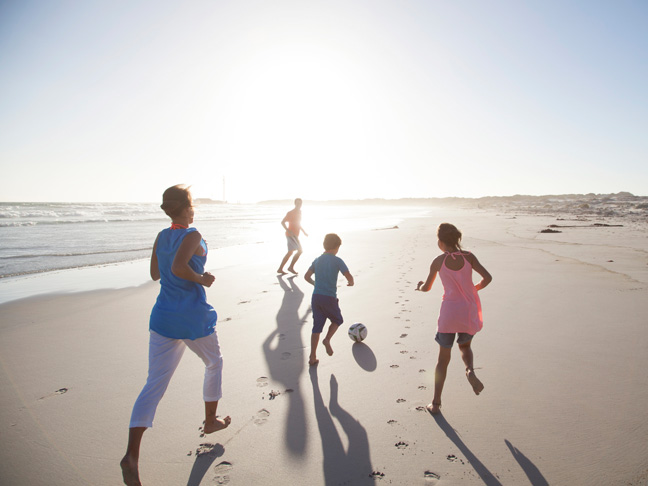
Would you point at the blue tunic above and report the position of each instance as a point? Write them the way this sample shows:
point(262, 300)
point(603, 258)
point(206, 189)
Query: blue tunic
point(181, 310)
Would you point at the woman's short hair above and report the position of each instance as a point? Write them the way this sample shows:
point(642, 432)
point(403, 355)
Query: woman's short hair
point(175, 200)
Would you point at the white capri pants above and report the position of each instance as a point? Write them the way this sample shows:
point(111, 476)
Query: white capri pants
point(164, 356)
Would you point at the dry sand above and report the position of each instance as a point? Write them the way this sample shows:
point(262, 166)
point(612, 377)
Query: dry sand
point(563, 355)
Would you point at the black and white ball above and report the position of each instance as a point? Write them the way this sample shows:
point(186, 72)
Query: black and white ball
point(357, 332)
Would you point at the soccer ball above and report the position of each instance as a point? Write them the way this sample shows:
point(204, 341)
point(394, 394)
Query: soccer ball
point(357, 332)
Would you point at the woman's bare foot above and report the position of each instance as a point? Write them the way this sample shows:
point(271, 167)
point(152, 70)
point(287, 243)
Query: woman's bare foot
point(327, 345)
point(216, 424)
point(434, 408)
point(477, 385)
point(313, 361)
point(130, 471)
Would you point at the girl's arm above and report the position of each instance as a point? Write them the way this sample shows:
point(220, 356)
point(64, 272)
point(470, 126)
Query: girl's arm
point(155, 269)
point(479, 268)
point(180, 266)
point(434, 269)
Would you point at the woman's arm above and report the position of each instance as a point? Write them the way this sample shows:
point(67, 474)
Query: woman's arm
point(155, 269)
point(180, 266)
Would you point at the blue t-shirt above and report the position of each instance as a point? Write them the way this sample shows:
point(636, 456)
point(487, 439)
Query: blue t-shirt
point(326, 268)
point(181, 310)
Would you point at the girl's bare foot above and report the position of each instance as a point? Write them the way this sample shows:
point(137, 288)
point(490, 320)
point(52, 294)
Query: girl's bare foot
point(312, 361)
point(327, 345)
point(217, 424)
point(292, 270)
point(130, 471)
point(434, 407)
point(477, 385)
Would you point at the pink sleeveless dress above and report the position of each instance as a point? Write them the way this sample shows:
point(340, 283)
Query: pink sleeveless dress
point(460, 309)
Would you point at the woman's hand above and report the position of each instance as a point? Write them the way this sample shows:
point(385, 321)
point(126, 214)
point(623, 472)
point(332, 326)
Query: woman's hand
point(207, 279)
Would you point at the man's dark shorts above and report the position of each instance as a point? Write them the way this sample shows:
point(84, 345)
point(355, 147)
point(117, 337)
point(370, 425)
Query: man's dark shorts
point(325, 307)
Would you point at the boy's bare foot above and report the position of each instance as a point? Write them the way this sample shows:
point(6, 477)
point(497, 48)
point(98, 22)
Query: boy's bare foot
point(130, 472)
point(313, 361)
point(217, 424)
point(434, 408)
point(477, 385)
point(327, 345)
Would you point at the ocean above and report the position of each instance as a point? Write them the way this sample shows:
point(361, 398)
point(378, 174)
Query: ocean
point(40, 238)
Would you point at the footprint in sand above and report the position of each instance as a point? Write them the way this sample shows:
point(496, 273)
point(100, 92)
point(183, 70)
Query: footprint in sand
point(377, 475)
point(394, 366)
point(401, 400)
point(60, 391)
point(404, 351)
point(261, 417)
point(262, 381)
point(422, 387)
point(421, 371)
point(282, 337)
point(274, 394)
point(244, 302)
point(285, 355)
point(431, 478)
point(421, 408)
point(452, 458)
point(222, 471)
point(403, 335)
point(392, 422)
point(203, 449)
point(401, 445)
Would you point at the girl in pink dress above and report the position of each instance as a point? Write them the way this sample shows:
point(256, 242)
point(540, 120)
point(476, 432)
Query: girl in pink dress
point(460, 313)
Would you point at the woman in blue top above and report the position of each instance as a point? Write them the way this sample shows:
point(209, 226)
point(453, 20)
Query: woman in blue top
point(180, 318)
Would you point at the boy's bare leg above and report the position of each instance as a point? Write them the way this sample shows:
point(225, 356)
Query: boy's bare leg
point(439, 379)
point(283, 263)
point(312, 359)
point(213, 424)
point(129, 463)
point(467, 356)
point(327, 340)
point(291, 268)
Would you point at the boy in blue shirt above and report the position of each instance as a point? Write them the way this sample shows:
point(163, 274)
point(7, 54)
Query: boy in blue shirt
point(325, 303)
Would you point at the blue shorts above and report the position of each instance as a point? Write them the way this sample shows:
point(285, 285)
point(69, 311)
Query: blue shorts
point(446, 339)
point(325, 307)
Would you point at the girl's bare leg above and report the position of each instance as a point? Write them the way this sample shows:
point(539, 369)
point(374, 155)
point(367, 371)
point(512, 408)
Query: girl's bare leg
point(439, 378)
point(213, 424)
point(130, 462)
point(467, 357)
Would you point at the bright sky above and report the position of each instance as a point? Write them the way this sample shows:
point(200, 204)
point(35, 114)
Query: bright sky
point(116, 100)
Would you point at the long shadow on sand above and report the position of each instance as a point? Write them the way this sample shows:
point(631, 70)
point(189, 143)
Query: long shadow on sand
point(341, 467)
point(533, 473)
point(284, 354)
point(203, 462)
point(486, 476)
point(364, 356)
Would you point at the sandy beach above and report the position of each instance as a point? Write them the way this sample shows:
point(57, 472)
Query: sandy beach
point(563, 356)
